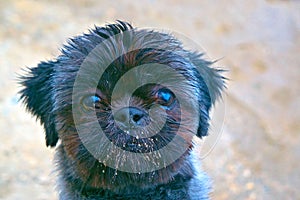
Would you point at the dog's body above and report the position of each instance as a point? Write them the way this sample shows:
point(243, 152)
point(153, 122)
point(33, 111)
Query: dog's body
point(51, 93)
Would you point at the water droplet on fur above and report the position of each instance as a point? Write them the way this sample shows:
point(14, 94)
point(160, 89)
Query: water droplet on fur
point(152, 175)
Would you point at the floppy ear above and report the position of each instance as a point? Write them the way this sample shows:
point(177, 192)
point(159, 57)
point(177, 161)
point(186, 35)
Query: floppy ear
point(37, 96)
point(211, 84)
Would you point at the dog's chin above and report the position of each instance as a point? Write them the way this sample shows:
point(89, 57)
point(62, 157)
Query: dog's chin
point(95, 173)
point(113, 179)
point(98, 175)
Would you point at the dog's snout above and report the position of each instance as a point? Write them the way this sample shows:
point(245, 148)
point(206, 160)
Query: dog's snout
point(131, 117)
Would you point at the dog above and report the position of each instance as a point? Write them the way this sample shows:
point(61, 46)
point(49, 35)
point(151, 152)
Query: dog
point(122, 106)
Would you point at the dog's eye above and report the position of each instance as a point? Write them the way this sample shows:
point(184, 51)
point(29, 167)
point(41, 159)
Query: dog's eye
point(165, 97)
point(91, 102)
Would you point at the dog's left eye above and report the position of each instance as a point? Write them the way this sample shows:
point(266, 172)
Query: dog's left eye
point(91, 102)
point(165, 97)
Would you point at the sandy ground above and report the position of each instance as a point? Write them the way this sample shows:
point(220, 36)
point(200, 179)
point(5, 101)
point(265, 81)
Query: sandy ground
point(257, 154)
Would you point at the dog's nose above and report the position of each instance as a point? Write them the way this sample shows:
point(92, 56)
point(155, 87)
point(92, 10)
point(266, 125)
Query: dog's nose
point(131, 117)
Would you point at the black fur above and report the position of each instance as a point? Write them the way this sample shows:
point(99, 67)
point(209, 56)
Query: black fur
point(47, 94)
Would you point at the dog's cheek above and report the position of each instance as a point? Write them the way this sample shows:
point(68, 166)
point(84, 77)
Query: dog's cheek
point(68, 135)
point(71, 143)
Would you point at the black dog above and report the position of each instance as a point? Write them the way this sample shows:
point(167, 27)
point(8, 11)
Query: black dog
point(125, 104)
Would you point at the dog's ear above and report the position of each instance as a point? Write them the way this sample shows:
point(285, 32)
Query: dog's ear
point(211, 84)
point(37, 96)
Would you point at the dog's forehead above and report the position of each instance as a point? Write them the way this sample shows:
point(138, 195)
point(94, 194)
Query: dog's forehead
point(127, 59)
point(136, 44)
point(121, 49)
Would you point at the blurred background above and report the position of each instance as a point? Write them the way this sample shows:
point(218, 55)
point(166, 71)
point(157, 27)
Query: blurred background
point(258, 41)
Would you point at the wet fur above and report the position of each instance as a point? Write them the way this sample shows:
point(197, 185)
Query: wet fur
point(47, 95)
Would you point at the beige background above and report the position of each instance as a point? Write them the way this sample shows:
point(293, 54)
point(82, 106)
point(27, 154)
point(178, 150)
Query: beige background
point(257, 156)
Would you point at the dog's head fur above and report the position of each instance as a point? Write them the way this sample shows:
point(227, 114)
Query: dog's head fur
point(49, 95)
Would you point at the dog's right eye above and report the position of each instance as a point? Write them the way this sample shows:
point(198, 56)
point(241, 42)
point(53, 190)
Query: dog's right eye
point(91, 102)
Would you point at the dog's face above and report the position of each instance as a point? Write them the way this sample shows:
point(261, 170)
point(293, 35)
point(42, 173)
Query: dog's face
point(117, 93)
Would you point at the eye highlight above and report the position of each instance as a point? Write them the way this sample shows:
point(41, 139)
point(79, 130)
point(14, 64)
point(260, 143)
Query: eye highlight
point(91, 102)
point(165, 97)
